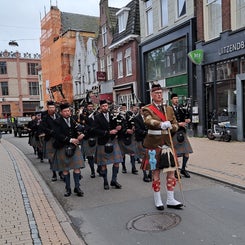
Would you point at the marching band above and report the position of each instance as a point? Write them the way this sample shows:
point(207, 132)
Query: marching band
point(101, 137)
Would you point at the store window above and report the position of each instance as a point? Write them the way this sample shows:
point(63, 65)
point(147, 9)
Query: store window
point(227, 69)
point(167, 61)
point(242, 65)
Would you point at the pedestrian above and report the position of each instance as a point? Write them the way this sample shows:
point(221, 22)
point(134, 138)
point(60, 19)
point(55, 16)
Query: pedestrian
point(48, 127)
point(108, 150)
point(140, 133)
point(68, 155)
point(180, 140)
point(0, 136)
point(157, 142)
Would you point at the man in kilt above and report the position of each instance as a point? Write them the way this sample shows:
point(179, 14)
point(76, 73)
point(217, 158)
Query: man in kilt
point(159, 155)
point(181, 143)
point(108, 150)
point(48, 126)
point(89, 140)
point(126, 140)
point(140, 133)
point(68, 155)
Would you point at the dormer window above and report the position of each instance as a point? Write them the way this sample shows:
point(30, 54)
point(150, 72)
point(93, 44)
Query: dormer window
point(122, 16)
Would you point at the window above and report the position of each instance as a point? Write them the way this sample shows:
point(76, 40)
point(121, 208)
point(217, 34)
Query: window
point(6, 110)
point(109, 67)
point(102, 64)
point(89, 78)
point(33, 88)
point(120, 65)
point(79, 66)
point(104, 35)
point(164, 12)
point(3, 67)
point(242, 65)
point(32, 69)
point(128, 62)
point(4, 88)
point(240, 16)
point(181, 8)
point(94, 73)
point(167, 61)
point(149, 17)
point(213, 19)
point(122, 19)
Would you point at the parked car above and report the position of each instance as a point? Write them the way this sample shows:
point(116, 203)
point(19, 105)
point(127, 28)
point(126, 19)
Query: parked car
point(20, 126)
point(5, 125)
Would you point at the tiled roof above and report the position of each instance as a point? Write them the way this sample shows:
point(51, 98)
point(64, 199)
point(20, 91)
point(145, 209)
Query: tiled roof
point(133, 24)
point(79, 22)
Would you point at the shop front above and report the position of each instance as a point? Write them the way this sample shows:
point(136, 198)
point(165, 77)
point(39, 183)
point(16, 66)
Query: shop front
point(220, 83)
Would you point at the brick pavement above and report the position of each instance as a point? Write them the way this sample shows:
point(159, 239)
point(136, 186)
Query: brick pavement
point(31, 215)
point(223, 161)
point(29, 212)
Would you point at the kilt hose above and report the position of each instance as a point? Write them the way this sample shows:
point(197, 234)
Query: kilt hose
point(61, 162)
point(87, 149)
point(103, 158)
point(182, 148)
point(127, 149)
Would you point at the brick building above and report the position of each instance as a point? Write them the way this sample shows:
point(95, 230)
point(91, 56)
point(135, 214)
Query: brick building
point(19, 91)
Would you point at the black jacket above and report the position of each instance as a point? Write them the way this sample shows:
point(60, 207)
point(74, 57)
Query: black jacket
point(140, 128)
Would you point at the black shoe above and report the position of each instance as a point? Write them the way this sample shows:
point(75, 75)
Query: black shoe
point(134, 171)
point(67, 193)
point(146, 179)
point(178, 206)
point(92, 175)
point(116, 184)
point(176, 175)
point(54, 178)
point(124, 170)
point(185, 173)
point(160, 207)
point(106, 185)
point(78, 191)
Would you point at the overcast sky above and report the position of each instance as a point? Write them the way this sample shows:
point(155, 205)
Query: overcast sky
point(20, 19)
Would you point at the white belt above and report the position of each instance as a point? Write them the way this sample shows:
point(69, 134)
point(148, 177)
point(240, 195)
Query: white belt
point(154, 132)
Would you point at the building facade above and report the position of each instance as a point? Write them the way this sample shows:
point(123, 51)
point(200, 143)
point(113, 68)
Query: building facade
point(19, 91)
point(58, 42)
point(168, 33)
point(221, 76)
point(124, 49)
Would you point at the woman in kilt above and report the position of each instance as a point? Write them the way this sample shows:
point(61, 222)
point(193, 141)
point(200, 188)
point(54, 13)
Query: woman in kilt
point(108, 150)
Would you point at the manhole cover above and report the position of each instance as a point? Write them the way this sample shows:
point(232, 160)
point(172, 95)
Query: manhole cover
point(154, 222)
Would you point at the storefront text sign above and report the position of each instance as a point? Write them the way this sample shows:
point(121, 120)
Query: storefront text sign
point(232, 48)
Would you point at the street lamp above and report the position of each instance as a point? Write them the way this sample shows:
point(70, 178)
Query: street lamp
point(13, 43)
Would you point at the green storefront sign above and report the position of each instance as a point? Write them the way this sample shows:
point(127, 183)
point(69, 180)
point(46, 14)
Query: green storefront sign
point(196, 56)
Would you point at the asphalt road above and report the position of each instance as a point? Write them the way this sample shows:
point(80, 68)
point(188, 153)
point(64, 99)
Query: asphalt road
point(213, 213)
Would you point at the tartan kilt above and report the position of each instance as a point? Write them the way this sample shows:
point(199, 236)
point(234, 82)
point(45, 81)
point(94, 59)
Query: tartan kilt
point(61, 162)
point(103, 158)
point(127, 149)
point(87, 149)
point(49, 150)
point(182, 148)
point(145, 165)
point(32, 141)
point(140, 149)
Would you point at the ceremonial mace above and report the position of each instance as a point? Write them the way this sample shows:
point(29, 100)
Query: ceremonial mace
point(175, 157)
